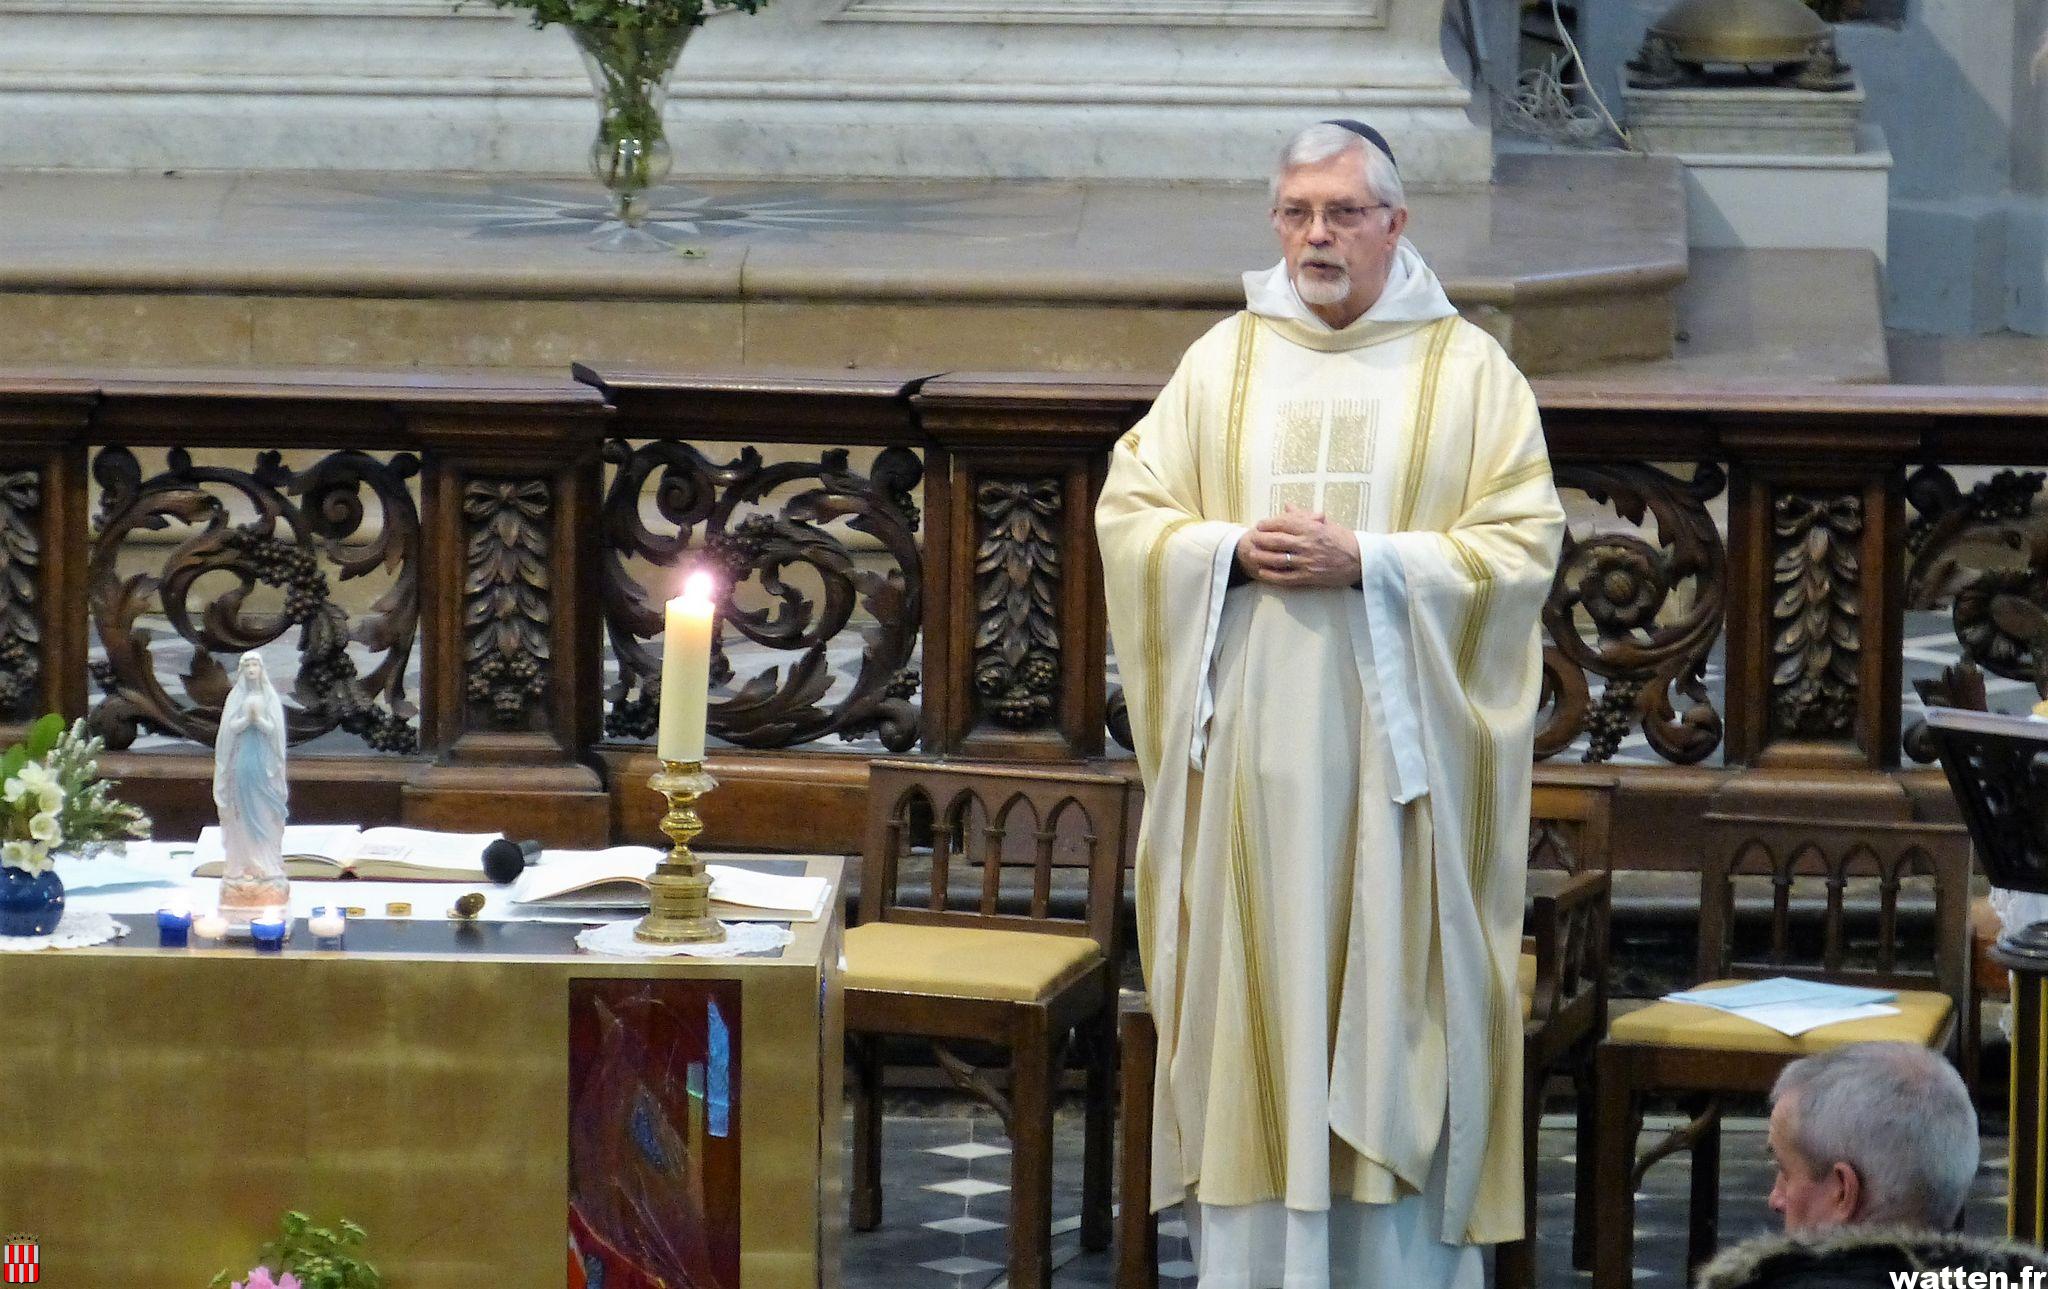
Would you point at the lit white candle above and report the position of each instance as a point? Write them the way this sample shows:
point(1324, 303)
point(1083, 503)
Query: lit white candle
point(685, 671)
point(327, 924)
point(211, 926)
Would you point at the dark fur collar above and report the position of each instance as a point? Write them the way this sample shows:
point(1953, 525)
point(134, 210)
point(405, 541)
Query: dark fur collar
point(1912, 1248)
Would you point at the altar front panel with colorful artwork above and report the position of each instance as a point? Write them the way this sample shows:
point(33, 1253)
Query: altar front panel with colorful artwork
point(654, 1134)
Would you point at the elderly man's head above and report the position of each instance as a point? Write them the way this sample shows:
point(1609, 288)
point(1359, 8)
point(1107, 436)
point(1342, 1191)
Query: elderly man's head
point(1339, 210)
point(1872, 1133)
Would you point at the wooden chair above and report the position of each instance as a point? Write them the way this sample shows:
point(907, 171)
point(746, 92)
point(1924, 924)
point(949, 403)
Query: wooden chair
point(1006, 970)
point(1570, 824)
point(1137, 1226)
point(1563, 987)
point(1564, 1014)
point(1702, 1055)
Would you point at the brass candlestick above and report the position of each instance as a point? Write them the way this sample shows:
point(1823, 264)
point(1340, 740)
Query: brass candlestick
point(679, 908)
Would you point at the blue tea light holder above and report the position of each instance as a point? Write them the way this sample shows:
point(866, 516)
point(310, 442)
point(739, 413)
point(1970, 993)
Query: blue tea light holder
point(173, 928)
point(269, 934)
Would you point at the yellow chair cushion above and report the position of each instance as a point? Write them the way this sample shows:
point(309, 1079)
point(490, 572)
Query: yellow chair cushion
point(1525, 984)
point(1921, 1016)
point(963, 962)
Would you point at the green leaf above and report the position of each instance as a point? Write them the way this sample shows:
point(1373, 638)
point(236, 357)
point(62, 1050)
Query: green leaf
point(43, 735)
point(11, 763)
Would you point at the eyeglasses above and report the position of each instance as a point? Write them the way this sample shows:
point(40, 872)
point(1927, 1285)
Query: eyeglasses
point(1344, 216)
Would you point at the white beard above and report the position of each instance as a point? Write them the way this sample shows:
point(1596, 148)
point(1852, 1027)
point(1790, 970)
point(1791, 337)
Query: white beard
point(1322, 291)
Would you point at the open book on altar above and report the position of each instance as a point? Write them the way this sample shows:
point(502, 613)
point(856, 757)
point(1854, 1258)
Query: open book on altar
point(315, 851)
point(617, 878)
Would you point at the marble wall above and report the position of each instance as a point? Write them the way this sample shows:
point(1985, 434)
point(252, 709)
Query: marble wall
point(1127, 89)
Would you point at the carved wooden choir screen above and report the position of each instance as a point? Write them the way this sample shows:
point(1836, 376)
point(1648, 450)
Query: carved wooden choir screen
point(468, 574)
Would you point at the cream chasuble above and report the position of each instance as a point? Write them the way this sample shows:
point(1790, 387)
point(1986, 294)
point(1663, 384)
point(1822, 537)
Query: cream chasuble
point(1330, 870)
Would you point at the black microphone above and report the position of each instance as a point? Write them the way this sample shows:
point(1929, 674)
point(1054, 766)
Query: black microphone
point(505, 860)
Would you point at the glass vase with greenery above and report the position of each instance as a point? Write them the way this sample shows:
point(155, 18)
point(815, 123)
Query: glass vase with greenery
point(629, 48)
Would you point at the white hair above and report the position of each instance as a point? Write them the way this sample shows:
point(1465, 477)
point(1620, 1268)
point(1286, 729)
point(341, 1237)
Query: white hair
point(1322, 141)
point(1895, 1112)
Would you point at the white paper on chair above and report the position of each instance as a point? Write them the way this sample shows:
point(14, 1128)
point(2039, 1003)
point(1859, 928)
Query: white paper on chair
point(1779, 990)
point(1794, 1019)
point(1792, 1006)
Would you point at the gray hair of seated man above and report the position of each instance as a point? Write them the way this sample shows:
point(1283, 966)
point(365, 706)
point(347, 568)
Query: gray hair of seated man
point(1317, 143)
point(1899, 1115)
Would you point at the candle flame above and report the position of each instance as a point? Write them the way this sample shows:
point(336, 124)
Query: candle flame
point(697, 586)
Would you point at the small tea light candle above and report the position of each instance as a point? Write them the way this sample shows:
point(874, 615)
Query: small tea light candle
point(173, 925)
point(327, 924)
point(211, 927)
point(268, 933)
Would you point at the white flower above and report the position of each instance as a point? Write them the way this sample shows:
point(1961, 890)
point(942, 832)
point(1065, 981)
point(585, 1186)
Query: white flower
point(43, 827)
point(39, 779)
point(29, 856)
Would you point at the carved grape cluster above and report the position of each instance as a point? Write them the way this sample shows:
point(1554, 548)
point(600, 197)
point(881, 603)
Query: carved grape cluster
point(1019, 698)
point(1611, 719)
point(18, 671)
point(1039, 672)
point(287, 566)
point(506, 682)
point(382, 730)
point(329, 675)
point(635, 717)
point(735, 552)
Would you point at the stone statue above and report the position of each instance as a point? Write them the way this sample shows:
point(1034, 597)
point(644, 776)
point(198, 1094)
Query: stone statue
point(249, 791)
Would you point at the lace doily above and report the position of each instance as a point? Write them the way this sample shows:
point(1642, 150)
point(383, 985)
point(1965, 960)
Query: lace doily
point(78, 930)
point(2017, 910)
point(741, 938)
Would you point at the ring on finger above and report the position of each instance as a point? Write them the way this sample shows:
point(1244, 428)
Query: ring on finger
point(1290, 559)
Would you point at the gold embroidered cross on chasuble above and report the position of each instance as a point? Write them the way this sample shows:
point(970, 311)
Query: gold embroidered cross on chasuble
point(1321, 454)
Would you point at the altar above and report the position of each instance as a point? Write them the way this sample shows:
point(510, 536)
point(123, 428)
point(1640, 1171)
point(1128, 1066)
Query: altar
point(492, 1105)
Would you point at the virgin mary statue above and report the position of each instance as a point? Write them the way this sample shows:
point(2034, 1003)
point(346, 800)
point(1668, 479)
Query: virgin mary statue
point(249, 791)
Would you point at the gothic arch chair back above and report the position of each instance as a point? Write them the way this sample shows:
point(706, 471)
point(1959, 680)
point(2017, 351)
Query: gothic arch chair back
point(988, 918)
point(1754, 871)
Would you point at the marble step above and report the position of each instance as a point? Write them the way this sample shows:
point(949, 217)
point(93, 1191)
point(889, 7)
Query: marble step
point(1570, 260)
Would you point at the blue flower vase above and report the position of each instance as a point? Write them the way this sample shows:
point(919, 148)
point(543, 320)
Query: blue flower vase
point(30, 903)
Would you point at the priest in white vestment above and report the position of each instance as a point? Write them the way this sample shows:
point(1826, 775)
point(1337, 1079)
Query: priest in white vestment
point(1326, 548)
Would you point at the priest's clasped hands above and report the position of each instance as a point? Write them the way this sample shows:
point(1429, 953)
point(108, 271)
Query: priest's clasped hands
point(1296, 548)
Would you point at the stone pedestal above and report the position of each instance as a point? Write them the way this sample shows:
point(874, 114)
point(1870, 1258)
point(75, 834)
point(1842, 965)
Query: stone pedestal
point(1763, 120)
point(1769, 167)
point(1791, 201)
point(1039, 89)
